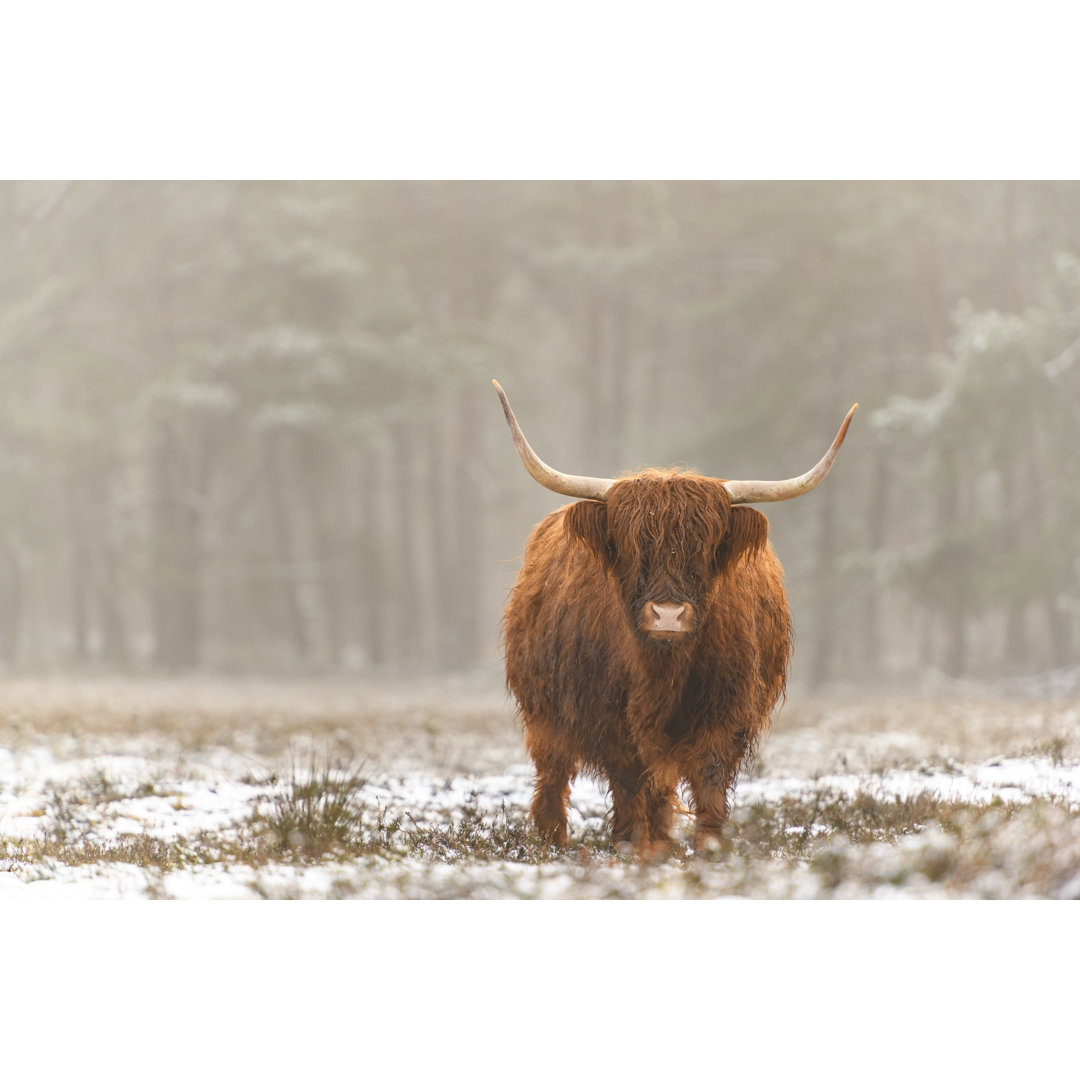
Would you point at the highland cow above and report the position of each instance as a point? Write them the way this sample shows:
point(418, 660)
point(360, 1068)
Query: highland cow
point(647, 641)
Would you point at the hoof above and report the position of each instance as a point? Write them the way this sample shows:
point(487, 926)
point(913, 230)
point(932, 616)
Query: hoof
point(708, 844)
point(653, 851)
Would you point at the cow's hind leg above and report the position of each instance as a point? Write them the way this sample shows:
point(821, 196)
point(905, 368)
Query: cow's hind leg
point(555, 768)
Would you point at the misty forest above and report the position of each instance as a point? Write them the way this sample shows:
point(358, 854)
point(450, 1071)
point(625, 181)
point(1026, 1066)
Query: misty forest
point(249, 427)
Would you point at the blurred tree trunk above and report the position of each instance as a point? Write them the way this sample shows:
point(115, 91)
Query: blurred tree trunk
point(79, 568)
point(319, 478)
point(374, 571)
point(442, 491)
point(1061, 635)
point(462, 496)
point(955, 614)
point(927, 639)
point(11, 600)
point(103, 584)
point(176, 554)
point(454, 500)
point(402, 616)
point(1037, 515)
point(114, 637)
point(877, 536)
point(1012, 509)
point(276, 446)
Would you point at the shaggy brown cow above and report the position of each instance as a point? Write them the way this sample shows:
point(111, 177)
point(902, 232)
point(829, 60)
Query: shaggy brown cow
point(647, 640)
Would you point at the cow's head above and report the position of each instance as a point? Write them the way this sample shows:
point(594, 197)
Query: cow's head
point(669, 538)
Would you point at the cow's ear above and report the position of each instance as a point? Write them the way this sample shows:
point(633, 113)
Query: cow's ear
point(747, 534)
point(586, 521)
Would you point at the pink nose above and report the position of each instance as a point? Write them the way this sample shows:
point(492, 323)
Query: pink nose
point(668, 617)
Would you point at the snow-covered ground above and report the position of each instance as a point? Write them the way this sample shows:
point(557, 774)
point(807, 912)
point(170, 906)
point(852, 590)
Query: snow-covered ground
point(104, 763)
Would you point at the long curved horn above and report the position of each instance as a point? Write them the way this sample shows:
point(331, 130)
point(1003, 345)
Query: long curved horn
point(578, 487)
point(753, 491)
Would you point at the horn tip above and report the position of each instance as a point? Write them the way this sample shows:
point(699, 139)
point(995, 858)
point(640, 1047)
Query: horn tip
point(505, 402)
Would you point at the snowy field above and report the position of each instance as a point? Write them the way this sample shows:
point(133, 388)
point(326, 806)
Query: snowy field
point(135, 790)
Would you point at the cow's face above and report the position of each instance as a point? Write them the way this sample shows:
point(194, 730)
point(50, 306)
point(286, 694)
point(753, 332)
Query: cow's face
point(668, 539)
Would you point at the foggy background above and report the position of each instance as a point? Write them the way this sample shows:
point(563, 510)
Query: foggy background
point(249, 427)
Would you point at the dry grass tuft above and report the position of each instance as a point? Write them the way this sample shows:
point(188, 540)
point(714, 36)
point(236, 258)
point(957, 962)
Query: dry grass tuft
point(317, 813)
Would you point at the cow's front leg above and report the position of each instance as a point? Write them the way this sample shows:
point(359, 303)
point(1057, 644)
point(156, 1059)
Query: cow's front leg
point(710, 789)
point(629, 805)
point(551, 799)
point(659, 814)
point(655, 841)
point(642, 812)
point(712, 781)
point(660, 808)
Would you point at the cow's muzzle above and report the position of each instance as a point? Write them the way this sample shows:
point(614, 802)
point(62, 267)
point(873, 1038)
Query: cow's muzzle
point(666, 622)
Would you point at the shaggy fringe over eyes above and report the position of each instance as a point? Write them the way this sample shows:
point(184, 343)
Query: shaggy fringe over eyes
point(679, 518)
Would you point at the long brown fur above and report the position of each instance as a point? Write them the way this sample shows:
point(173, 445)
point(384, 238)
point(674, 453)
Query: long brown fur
point(597, 695)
